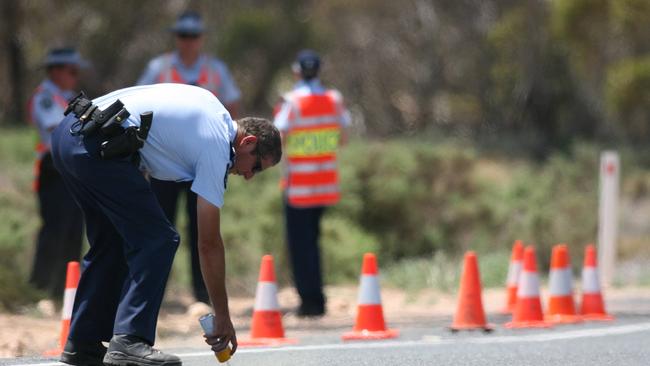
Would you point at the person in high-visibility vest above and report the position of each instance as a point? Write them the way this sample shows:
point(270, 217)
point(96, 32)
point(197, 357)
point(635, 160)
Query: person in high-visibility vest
point(189, 65)
point(312, 122)
point(59, 238)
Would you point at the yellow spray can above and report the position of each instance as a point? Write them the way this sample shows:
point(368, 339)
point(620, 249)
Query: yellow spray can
point(207, 323)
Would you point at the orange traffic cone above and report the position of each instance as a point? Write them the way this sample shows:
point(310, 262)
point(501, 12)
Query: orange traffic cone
point(592, 307)
point(71, 284)
point(470, 314)
point(370, 316)
point(513, 276)
point(528, 310)
point(266, 327)
point(560, 304)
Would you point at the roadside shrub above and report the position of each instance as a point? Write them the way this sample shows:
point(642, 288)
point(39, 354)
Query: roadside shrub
point(418, 205)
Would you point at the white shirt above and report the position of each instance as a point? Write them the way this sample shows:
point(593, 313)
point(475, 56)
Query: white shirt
point(190, 137)
point(46, 108)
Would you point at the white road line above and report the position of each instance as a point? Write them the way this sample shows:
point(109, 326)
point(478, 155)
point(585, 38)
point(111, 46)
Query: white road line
point(426, 341)
point(571, 334)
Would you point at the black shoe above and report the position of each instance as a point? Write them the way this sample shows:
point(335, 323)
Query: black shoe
point(83, 353)
point(311, 310)
point(128, 350)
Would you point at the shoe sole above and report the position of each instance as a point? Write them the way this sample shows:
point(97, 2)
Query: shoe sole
point(77, 359)
point(121, 359)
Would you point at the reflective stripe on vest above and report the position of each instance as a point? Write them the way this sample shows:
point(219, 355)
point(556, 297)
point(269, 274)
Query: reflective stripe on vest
point(312, 139)
point(208, 78)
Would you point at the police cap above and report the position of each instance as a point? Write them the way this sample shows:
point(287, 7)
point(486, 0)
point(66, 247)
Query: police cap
point(307, 63)
point(64, 56)
point(189, 23)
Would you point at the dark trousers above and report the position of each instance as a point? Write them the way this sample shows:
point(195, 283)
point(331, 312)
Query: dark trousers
point(132, 244)
point(59, 238)
point(303, 232)
point(167, 194)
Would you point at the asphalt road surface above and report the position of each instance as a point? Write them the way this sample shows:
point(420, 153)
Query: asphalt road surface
point(625, 341)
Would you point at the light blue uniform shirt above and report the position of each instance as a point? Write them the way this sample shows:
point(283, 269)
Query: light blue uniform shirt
point(46, 108)
point(190, 136)
point(227, 91)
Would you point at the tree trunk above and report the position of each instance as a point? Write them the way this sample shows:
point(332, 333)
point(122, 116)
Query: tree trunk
point(11, 20)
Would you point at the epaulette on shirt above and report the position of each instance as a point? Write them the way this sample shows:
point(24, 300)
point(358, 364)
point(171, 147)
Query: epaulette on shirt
point(46, 100)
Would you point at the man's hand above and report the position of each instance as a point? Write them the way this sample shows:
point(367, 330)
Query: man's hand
point(213, 269)
point(223, 335)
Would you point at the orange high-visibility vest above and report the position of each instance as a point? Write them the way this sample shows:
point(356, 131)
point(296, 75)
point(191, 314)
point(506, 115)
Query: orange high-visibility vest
point(40, 147)
point(311, 142)
point(208, 78)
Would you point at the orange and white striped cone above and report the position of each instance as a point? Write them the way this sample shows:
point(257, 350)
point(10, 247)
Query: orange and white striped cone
point(561, 308)
point(592, 306)
point(71, 284)
point(528, 311)
point(266, 327)
point(469, 313)
point(514, 270)
point(370, 315)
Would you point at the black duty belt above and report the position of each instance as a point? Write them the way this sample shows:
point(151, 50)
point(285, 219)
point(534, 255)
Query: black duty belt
point(118, 142)
point(92, 119)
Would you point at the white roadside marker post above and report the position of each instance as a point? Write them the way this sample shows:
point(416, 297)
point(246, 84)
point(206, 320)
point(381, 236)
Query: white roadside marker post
point(608, 214)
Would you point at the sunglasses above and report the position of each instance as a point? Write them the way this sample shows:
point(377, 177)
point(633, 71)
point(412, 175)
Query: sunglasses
point(188, 36)
point(72, 71)
point(258, 164)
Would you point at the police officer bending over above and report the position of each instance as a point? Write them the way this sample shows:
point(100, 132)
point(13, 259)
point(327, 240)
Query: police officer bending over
point(100, 149)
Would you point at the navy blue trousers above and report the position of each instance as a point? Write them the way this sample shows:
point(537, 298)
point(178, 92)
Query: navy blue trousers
point(132, 244)
point(303, 232)
point(167, 193)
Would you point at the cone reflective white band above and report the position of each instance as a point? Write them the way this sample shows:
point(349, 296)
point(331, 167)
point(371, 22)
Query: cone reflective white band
point(265, 296)
point(528, 285)
point(68, 303)
point(590, 282)
point(560, 282)
point(369, 292)
point(514, 270)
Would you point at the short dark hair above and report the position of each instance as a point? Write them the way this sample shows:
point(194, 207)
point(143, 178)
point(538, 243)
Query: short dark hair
point(269, 143)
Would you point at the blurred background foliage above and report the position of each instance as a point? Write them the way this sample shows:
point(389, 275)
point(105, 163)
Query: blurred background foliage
point(476, 122)
point(545, 72)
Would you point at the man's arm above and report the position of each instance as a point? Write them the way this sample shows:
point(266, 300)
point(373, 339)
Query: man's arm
point(229, 93)
point(151, 72)
point(213, 269)
point(343, 140)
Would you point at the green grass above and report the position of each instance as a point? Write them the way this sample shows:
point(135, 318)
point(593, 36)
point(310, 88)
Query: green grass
point(419, 206)
point(18, 220)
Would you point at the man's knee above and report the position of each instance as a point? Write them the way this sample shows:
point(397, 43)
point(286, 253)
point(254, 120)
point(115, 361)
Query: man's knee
point(169, 240)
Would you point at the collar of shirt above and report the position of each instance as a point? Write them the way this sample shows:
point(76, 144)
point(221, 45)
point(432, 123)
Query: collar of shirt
point(195, 68)
point(232, 134)
point(313, 86)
